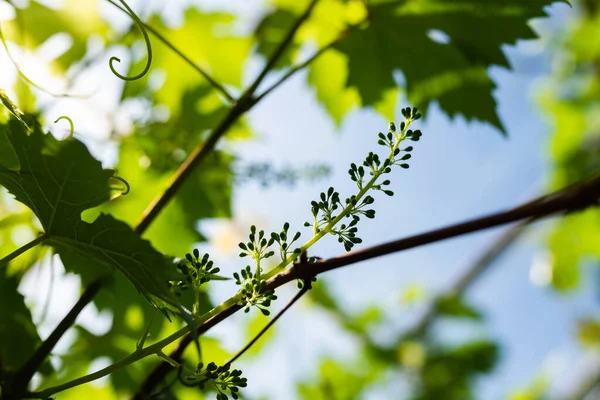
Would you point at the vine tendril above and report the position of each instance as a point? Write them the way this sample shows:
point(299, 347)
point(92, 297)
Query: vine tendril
point(140, 25)
point(127, 187)
point(71, 126)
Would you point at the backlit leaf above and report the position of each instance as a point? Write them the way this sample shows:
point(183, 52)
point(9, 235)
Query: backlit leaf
point(443, 49)
point(58, 180)
point(16, 326)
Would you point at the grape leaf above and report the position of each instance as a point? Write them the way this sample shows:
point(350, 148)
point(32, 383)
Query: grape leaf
point(58, 180)
point(328, 75)
point(450, 67)
point(8, 155)
point(113, 243)
point(16, 326)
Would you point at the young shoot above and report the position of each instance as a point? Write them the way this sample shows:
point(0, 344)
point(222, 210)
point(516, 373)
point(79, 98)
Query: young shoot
point(328, 212)
point(196, 272)
point(221, 379)
point(253, 292)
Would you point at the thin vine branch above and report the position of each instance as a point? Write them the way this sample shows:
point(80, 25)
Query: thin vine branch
point(184, 57)
point(282, 47)
point(301, 66)
point(574, 198)
point(570, 199)
point(165, 367)
point(162, 369)
point(240, 353)
point(308, 61)
point(264, 330)
point(4, 261)
point(487, 258)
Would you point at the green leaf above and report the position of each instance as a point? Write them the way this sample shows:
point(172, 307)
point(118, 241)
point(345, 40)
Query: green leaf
point(369, 317)
point(8, 156)
point(18, 225)
point(341, 380)
point(397, 38)
point(448, 372)
point(58, 180)
point(533, 391)
point(14, 110)
point(146, 183)
point(574, 239)
point(571, 98)
point(16, 326)
point(113, 243)
point(328, 75)
point(152, 154)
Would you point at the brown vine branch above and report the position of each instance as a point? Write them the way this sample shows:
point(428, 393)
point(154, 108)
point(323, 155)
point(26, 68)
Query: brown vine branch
point(301, 66)
point(464, 282)
point(264, 330)
point(573, 198)
point(470, 275)
point(309, 60)
point(185, 170)
point(282, 47)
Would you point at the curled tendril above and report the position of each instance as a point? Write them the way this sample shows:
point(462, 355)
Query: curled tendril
point(140, 25)
point(127, 187)
point(71, 126)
